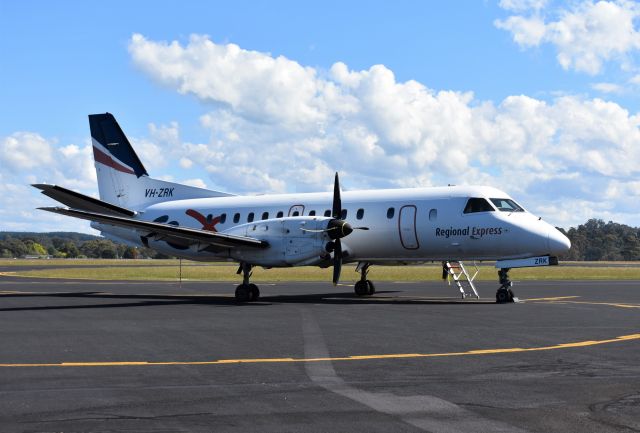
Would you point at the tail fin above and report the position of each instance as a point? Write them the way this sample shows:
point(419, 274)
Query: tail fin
point(122, 178)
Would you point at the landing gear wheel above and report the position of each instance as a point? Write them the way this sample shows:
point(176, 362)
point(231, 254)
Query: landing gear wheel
point(371, 288)
point(254, 292)
point(243, 293)
point(361, 288)
point(504, 295)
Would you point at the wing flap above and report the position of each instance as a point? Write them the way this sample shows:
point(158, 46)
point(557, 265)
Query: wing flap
point(168, 232)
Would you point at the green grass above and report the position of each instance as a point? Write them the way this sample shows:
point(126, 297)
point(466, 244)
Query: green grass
point(168, 270)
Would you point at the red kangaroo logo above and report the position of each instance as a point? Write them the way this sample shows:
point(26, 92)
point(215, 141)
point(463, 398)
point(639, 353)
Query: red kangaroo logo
point(209, 225)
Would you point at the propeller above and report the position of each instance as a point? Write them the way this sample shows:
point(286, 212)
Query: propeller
point(345, 229)
point(337, 229)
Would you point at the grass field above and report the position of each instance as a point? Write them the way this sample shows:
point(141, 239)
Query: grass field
point(168, 270)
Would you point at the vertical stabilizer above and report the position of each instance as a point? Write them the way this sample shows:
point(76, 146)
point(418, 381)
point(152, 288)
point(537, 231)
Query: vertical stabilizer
point(122, 178)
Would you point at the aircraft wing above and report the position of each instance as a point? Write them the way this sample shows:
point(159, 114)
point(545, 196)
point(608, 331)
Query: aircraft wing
point(166, 232)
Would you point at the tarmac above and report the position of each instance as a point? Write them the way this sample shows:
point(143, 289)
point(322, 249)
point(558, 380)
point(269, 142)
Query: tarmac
point(79, 356)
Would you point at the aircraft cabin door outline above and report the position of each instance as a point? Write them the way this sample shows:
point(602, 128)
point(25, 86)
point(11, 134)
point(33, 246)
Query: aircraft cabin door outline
point(296, 210)
point(407, 227)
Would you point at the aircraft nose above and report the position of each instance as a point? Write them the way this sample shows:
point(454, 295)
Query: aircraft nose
point(558, 243)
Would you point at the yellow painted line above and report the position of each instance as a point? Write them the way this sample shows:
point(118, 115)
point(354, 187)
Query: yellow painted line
point(565, 300)
point(557, 298)
point(610, 304)
point(587, 343)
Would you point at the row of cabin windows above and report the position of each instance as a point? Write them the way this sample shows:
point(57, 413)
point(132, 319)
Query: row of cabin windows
point(265, 215)
point(327, 213)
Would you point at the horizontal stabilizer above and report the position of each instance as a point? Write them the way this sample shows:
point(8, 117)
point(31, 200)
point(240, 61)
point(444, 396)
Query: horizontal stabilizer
point(76, 200)
point(167, 232)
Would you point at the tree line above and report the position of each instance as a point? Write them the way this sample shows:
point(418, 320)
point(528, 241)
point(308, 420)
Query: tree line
point(593, 240)
point(597, 240)
point(68, 245)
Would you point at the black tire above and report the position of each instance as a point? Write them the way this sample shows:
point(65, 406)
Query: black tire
point(254, 293)
point(243, 293)
point(503, 296)
point(371, 289)
point(361, 288)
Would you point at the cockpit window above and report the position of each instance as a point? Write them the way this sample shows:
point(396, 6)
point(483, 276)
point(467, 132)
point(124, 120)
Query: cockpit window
point(478, 204)
point(506, 205)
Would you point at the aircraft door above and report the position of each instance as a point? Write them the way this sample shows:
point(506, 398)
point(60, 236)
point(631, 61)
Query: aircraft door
point(296, 210)
point(407, 227)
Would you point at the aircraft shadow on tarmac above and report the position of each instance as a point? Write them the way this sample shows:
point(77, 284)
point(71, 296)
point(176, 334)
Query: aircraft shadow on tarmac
point(138, 300)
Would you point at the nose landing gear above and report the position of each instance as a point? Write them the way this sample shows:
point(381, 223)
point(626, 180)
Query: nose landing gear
point(246, 292)
point(504, 293)
point(364, 287)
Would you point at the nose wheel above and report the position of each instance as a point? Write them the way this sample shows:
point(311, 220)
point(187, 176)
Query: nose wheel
point(246, 292)
point(364, 287)
point(504, 294)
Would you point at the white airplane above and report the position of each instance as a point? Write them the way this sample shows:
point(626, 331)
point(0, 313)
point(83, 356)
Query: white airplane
point(395, 226)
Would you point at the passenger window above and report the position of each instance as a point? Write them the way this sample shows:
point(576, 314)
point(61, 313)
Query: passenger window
point(250, 217)
point(506, 205)
point(327, 213)
point(433, 214)
point(236, 218)
point(312, 213)
point(360, 214)
point(390, 212)
point(343, 214)
point(280, 214)
point(477, 204)
point(265, 215)
point(295, 213)
point(223, 218)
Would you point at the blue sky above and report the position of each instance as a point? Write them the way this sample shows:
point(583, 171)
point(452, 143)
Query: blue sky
point(539, 98)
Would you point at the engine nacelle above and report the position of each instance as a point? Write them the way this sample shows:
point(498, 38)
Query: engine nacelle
point(293, 241)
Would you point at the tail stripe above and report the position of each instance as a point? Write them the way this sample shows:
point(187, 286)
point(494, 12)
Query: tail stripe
point(105, 159)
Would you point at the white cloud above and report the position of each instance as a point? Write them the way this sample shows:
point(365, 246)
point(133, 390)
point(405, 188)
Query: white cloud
point(26, 158)
point(379, 132)
point(522, 5)
point(198, 183)
point(25, 150)
point(608, 88)
point(249, 82)
point(585, 36)
point(185, 163)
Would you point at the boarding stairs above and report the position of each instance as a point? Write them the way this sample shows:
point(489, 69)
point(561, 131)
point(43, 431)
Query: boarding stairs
point(462, 278)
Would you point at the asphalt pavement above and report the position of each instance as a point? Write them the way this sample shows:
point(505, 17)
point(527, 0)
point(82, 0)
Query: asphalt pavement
point(80, 356)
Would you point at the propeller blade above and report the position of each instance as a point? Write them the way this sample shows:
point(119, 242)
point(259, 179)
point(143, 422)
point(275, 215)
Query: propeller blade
point(337, 261)
point(337, 202)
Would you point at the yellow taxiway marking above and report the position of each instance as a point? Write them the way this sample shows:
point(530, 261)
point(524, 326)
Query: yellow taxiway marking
point(569, 300)
point(619, 339)
point(557, 298)
point(610, 304)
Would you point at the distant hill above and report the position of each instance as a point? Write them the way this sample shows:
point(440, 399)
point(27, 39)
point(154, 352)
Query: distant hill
point(63, 235)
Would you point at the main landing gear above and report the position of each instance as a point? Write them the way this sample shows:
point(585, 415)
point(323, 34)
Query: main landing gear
point(246, 292)
point(364, 287)
point(504, 293)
